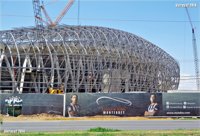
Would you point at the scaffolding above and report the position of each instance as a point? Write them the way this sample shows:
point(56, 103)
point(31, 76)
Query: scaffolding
point(83, 59)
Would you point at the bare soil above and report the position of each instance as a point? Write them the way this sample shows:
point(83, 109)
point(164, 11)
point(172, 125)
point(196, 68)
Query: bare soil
point(44, 116)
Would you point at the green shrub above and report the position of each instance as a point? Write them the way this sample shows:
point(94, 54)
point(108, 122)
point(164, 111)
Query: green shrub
point(100, 129)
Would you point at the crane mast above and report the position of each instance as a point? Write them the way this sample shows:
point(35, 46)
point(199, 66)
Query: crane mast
point(196, 61)
point(40, 40)
point(195, 52)
point(37, 14)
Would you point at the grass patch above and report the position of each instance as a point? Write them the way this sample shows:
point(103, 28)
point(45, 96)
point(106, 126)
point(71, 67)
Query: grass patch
point(100, 129)
point(187, 118)
point(179, 132)
point(1, 119)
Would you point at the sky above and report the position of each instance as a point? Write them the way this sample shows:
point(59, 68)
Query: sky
point(159, 21)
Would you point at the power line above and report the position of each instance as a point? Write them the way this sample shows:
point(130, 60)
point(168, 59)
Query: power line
point(190, 79)
point(189, 76)
point(50, 2)
point(108, 19)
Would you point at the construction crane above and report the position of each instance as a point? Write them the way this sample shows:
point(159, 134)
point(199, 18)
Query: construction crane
point(49, 22)
point(40, 40)
point(38, 14)
point(38, 8)
point(195, 51)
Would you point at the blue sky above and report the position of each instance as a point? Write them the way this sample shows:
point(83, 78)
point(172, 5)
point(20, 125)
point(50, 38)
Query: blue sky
point(159, 22)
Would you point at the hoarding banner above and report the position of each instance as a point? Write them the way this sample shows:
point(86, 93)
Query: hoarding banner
point(133, 104)
point(118, 104)
point(181, 104)
point(106, 104)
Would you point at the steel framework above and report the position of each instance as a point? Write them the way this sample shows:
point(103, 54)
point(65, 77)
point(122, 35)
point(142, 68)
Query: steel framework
point(83, 59)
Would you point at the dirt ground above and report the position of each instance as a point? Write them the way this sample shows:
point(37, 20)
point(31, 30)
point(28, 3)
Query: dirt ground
point(44, 116)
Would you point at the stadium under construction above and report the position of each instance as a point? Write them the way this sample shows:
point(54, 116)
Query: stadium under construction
point(83, 59)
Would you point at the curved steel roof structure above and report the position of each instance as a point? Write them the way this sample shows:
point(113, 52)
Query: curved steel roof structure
point(84, 59)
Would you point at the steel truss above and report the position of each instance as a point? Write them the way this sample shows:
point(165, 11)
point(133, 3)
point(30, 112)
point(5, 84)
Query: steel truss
point(83, 59)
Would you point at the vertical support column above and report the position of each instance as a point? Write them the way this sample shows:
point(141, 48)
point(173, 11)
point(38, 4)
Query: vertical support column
point(1, 60)
point(39, 82)
point(64, 104)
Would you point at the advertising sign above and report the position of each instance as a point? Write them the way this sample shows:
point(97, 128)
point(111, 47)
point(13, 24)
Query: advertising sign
point(31, 103)
point(13, 105)
point(104, 104)
point(117, 104)
point(181, 104)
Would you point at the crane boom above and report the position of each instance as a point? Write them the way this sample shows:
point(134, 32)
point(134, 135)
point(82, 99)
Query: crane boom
point(67, 7)
point(195, 51)
point(42, 20)
point(46, 14)
point(38, 16)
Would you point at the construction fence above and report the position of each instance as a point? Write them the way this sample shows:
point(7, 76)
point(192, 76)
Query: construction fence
point(116, 104)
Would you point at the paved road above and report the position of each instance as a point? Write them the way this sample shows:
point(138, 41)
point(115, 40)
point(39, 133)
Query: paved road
point(85, 125)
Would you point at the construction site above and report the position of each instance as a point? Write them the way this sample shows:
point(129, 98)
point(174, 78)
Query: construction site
point(53, 58)
point(55, 68)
